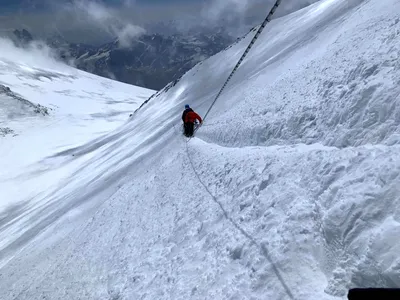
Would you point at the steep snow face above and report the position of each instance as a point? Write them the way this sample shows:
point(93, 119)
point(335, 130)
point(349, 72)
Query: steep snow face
point(288, 191)
point(335, 104)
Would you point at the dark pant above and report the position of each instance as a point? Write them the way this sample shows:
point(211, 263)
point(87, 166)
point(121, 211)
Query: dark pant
point(189, 129)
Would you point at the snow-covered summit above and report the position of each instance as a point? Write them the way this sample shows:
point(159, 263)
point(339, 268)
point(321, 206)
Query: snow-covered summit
point(288, 191)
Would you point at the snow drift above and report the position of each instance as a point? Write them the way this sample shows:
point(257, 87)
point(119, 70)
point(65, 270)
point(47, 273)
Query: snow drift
point(289, 190)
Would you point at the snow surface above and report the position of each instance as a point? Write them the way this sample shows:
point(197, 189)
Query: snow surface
point(81, 107)
point(288, 191)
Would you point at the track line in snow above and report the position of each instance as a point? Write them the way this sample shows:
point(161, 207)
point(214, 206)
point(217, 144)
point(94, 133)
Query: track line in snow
point(264, 251)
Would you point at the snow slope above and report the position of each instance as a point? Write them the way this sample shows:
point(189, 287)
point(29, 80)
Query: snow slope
point(288, 191)
point(48, 107)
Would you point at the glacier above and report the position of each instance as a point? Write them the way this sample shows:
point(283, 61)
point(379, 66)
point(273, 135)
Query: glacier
point(288, 191)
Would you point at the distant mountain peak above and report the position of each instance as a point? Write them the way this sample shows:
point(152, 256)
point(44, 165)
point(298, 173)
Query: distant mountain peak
point(151, 60)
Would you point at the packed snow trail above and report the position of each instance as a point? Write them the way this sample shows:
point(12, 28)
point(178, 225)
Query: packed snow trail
point(262, 248)
point(301, 151)
point(249, 237)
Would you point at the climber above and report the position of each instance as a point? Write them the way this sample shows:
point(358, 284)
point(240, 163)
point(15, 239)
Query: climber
point(189, 118)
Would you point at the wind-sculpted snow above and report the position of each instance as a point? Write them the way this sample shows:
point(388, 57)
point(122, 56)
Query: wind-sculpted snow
point(334, 98)
point(288, 191)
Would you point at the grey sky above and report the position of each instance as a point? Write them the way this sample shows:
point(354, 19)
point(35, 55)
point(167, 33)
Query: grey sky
point(90, 21)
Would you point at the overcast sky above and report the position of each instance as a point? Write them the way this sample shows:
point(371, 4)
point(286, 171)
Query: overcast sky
point(96, 21)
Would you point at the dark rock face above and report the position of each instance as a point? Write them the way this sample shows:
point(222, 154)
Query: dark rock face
point(152, 61)
point(23, 37)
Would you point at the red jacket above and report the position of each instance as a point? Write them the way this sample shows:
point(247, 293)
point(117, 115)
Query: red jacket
point(190, 117)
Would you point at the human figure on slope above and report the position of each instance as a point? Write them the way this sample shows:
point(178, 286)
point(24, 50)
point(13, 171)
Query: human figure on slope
point(189, 117)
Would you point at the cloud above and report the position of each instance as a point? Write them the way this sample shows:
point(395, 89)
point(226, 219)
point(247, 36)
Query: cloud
point(128, 33)
point(236, 17)
point(107, 19)
point(36, 54)
point(129, 3)
point(228, 10)
point(92, 22)
point(216, 9)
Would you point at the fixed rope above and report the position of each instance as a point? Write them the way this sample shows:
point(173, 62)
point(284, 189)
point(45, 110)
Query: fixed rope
point(256, 36)
point(264, 251)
